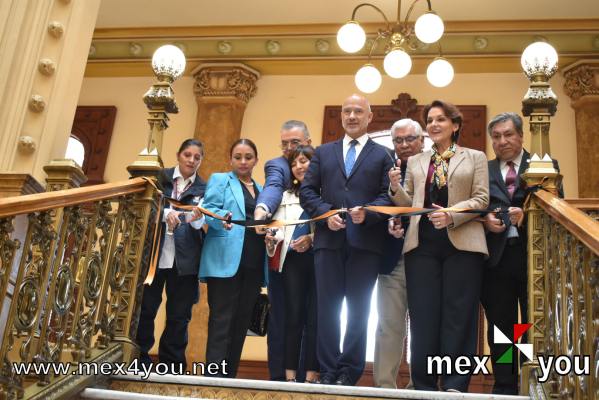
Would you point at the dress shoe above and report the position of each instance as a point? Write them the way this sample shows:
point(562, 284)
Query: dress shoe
point(344, 380)
point(327, 380)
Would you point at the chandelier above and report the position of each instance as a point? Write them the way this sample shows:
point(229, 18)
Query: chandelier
point(398, 39)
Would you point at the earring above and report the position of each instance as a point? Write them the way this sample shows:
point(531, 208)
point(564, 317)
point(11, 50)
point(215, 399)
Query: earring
point(295, 181)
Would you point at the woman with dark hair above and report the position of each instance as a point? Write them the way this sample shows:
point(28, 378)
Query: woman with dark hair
point(234, 258)
point(444, 251)
point(290, 253)
point(179, 259)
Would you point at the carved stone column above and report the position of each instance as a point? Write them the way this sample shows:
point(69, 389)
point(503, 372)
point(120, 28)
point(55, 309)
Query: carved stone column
point(44, 46)
point(582, 85)
point(222, 93)
point(63, 174)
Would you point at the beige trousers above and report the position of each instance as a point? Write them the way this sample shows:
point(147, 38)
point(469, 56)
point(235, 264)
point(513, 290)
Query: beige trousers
point(392, 307)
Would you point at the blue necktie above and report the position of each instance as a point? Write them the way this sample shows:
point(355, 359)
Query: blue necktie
point(350, 157)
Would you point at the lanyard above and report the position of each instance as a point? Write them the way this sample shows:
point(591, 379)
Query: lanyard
point(176, 193)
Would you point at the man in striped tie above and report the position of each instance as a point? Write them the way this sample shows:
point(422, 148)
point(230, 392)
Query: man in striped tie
point(505, 277)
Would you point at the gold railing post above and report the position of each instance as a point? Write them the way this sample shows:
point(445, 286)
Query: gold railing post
point(63, 174)
point(168, 63)
point(539, 104)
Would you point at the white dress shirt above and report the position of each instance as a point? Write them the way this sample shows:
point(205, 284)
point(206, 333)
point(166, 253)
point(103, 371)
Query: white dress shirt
point(504, 168)
point(361, 143)
point(167, 257)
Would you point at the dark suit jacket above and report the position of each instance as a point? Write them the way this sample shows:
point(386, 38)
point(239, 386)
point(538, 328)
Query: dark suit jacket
point(499, 198)
point(326, 187)
point(188, 241)
point(278, 179)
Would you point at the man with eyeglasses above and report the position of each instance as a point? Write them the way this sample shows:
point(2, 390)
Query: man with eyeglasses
point(392, 297)
point(278, 179)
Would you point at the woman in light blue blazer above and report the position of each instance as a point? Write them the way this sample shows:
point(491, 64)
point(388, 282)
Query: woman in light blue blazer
point(233, 258)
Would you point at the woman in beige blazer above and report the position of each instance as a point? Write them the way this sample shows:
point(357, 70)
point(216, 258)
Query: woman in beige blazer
point(290, 252)
point(444, 251)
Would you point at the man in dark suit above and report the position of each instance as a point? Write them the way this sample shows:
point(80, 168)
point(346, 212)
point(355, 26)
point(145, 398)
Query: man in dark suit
point(505, 278)
point(278, 178)
point(348, 173)
point(392, 296)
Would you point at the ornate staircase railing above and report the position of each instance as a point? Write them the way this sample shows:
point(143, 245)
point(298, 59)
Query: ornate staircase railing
point(563, 267)
point(72, 264)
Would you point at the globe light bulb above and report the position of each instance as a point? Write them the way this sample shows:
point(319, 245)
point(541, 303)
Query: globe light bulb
point(440, 72)
point(168, 61)
point(351, 37)
point(539, 57)
point(368, 79)
point(429, 27)
point(397, 63)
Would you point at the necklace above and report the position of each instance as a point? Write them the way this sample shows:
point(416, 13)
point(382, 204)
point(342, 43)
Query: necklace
point(246, 183)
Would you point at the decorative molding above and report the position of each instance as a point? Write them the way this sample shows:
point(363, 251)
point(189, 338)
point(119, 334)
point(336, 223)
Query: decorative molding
point(478, 47)
point(322, 46)
point(224, 47)
point(582, 79)
point(46, 67)
point(18, 184)
point(26, 144)
point(181, 47)
point(225, 80)
point(326, 29)
point(480, 43)
point(37, 103)
point(135, 49)
point(273, 47)
point(56, 29)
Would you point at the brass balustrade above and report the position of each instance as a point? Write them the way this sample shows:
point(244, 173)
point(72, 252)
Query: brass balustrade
point(72, 265)
point(563, 254)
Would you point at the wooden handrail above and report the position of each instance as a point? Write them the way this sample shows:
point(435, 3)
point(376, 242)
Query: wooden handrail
point(584, 204)
point(583, 227)
point(16, 205)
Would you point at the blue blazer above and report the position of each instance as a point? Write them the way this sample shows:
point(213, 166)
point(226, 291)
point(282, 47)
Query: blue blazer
point(221, 254)
point(278, 179)
point(326, 187)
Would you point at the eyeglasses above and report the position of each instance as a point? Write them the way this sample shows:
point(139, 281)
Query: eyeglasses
point(291, 143)
point(407, 139)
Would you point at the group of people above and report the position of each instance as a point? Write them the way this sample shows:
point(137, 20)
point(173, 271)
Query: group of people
point(435, 268)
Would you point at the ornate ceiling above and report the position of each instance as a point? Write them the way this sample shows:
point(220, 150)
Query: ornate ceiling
point(281, 37)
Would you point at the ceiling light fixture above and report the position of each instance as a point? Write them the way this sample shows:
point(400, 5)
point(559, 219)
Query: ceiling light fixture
point(400, 38)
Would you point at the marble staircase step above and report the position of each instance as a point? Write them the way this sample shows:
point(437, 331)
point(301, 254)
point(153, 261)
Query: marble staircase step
point(201, 387)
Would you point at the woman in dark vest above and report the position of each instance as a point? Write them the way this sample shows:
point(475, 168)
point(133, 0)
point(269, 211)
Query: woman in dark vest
point(179, 259)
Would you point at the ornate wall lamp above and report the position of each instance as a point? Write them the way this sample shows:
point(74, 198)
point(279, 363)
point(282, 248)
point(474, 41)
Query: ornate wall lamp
point(539, 62)
point(168, 63)
point(399, 38)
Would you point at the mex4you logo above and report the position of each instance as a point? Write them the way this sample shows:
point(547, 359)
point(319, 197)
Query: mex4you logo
point(466, 365)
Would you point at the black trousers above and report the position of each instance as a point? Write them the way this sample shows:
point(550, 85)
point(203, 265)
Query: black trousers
point(182, 292)
point(504, 287)
point(300, 310)
point(348, 273)
point(231, 301)
point(444, 286)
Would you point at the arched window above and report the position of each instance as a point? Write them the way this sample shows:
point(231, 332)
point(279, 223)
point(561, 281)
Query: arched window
point(75, 151)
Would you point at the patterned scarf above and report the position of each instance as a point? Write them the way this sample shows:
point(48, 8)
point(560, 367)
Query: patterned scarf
point(441, 165)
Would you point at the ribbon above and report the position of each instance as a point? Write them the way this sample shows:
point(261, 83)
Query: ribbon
point(546, 184)
point(388, 210)
point(157, 235)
